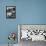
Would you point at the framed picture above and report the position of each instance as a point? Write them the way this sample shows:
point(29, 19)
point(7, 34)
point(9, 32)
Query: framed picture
point(10, 12)
point(32, 32)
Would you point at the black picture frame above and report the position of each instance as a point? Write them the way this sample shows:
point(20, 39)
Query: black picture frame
point(10, 12)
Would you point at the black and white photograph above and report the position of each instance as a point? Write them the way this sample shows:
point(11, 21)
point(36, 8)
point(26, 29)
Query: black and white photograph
point(10, 12)
point(31, 34)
